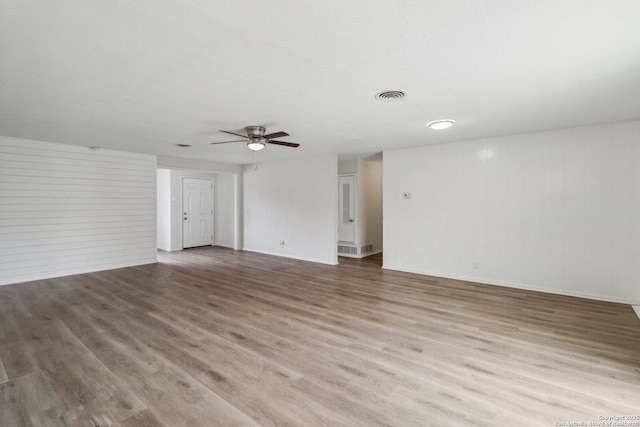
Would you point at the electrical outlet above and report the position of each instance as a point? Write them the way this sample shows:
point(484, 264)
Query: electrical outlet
point(406, 195)
point(281, 242)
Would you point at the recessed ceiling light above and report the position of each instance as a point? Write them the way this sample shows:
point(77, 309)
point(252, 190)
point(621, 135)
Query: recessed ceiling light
point(441, 124)
point(390, 95)
point(183, 145)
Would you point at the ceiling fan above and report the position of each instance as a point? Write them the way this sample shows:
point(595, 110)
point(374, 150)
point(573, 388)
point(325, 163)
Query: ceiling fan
point(256, 139)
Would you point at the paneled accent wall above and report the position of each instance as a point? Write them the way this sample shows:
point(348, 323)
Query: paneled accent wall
point(555, 211)
point(67, 209)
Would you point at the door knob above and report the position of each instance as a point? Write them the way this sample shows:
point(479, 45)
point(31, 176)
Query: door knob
point(351, 220)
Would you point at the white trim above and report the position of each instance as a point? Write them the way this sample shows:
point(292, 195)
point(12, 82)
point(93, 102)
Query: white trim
point(74, 271)
point(290, 256)
point(224, 246)
point(513, 285)
point(237, 212)
point(364, 255)
point(636, 308)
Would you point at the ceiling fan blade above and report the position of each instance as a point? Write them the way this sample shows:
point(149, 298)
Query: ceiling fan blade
point(225, 142)
point(275, 135)
point(236, 134)
point(286, 144)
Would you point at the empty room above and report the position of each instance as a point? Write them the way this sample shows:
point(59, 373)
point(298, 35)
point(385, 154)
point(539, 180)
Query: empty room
point(339, 213)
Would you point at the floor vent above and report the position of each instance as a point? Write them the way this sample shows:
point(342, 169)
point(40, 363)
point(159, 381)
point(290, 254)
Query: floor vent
point(351, 250)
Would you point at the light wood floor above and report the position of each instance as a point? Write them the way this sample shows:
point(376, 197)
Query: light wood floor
point(213, 337)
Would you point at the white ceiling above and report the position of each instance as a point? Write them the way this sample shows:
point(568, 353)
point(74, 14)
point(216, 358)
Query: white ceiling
point(145, 75)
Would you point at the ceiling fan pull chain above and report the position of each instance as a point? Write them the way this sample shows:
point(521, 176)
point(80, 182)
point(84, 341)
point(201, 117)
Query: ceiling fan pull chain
point(255, 160)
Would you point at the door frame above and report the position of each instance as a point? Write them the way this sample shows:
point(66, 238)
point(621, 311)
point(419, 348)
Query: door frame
point(213, 210)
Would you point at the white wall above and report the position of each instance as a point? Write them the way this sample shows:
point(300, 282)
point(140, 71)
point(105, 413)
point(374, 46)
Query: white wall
point(225, 210)
point(349, 166)
point(67, 209)
point(208, 166)
point(295, 201)
point(555, 211)
point(164, 209)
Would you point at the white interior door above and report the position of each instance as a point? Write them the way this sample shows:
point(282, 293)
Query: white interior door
point(197, 208)
point(346, 229)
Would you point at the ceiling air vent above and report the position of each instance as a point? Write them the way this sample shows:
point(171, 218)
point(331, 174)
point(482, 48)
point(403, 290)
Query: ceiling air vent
point(390, 95)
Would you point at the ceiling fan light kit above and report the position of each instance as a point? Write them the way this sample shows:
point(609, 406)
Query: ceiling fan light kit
point(258, 139)
point(256, 144)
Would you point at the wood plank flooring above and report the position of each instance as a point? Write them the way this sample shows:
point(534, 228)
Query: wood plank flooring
point(213, 337)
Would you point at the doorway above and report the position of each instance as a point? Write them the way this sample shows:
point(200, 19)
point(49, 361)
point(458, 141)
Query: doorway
point(225, 203)
point(197, 208)
point(360, 207)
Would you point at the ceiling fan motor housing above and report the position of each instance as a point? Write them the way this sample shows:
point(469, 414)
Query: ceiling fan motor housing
point(255, 131)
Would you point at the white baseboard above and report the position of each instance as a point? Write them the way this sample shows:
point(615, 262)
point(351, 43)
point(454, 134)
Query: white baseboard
point(361, 255)
point(518, 286)
point(222, 246)
point(291, 257)
point(637, 309)
point(74, 271)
